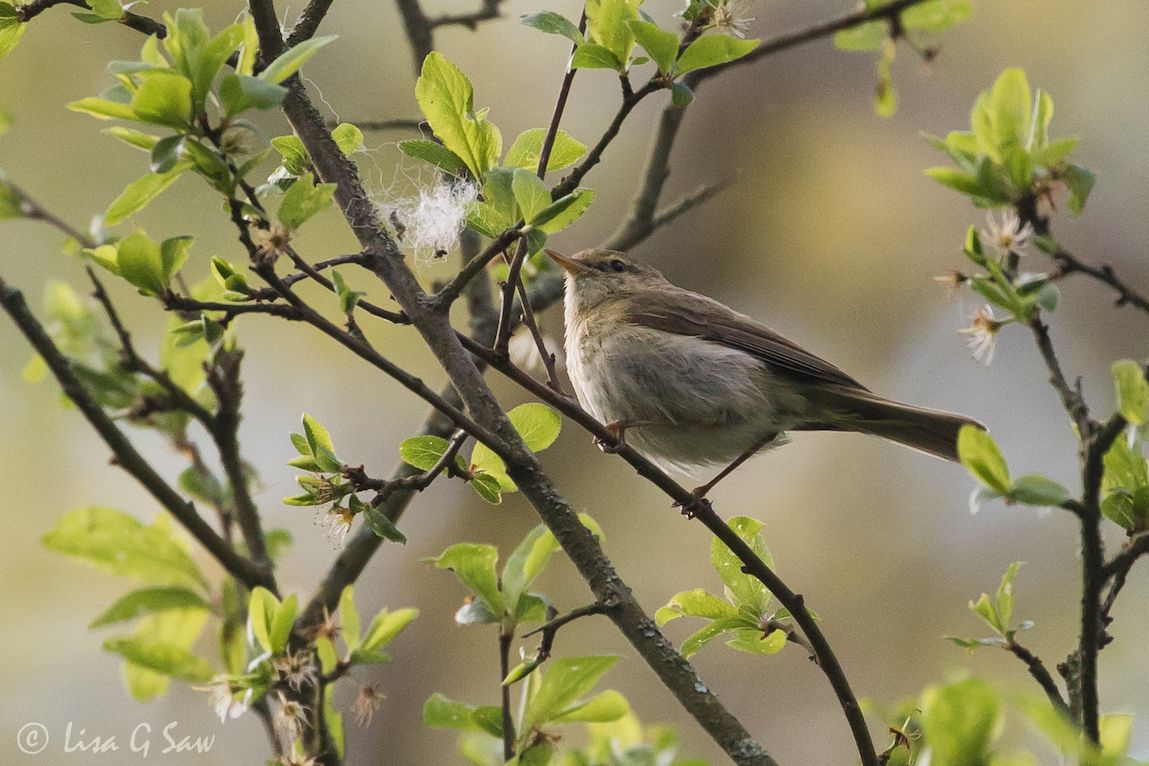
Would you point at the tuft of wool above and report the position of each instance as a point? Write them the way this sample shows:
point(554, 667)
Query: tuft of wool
point(433, 220)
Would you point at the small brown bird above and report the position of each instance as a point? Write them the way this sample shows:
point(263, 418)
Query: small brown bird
point(693, 384)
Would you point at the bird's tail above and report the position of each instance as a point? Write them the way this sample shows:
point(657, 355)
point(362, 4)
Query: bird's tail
point(931, 431)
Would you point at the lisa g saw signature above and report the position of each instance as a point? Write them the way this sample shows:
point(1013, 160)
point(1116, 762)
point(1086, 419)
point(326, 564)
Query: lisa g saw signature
point(144, 740)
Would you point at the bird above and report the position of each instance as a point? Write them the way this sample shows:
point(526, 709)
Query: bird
point(692, 384)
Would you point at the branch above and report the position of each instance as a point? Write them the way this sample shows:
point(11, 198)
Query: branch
point(126, 456)
point(753, 565)
point(1071, 264)
point(490, 10)
point(308, 22)
point(1040, 674)
point(1071, 398)
point(131, 20)
point(825, 29)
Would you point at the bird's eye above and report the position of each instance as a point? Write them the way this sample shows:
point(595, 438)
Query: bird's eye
point(617, 265)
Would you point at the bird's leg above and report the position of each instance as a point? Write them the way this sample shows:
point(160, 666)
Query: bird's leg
point(699, 493)
point(617, 429)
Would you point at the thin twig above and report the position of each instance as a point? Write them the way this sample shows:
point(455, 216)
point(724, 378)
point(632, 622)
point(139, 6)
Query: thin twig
point(1071, 264)
point(1040, 674)
point(126, 455)
point(131, 20)
point(505, 640)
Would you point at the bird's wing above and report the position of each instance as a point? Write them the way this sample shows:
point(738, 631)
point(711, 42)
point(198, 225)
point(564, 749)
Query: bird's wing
point(686, 313)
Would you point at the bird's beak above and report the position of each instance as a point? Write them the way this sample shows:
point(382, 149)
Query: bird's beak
point(569, 265)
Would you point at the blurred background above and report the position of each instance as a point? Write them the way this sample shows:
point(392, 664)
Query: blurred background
point(831, 235)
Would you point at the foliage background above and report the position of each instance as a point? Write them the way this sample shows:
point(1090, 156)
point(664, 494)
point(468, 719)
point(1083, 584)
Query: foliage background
point(830, 235)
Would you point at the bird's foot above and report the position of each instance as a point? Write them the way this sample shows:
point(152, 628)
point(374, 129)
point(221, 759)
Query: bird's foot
point(696, 504)
point(617, 429)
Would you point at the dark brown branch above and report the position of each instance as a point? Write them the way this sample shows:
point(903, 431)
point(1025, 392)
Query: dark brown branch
point(551, 627)
point(1071, 398)
point(308, 22)
point(1040, 674)
point(381, 125)
point(453, 289)
point(818, 31)
point(126, 455)
point(1071, 264)
point(131, 20)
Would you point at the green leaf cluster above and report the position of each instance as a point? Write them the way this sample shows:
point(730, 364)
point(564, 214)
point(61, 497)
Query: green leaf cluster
point(1125, 481)
point(1008, 155)
point(147, 265)
point(1023, 295)
point(11, 28)
point(743, 616)
point(538, 426)
point(551, 697)
point(981, 457)
point(366, 647)
point(997, 612)
point(170, 611)
point(929, 18)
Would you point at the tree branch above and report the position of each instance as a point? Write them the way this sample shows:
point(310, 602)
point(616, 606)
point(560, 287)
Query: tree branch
point(131, 20)
point(1040, 674)
point(1071, 264)
point(126, 456)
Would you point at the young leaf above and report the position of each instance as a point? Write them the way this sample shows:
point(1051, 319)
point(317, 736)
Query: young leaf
point(164, 98)
point(291, 60)
point(554, 24)
point(302, 200)
point(565, 680)
point(423, 452)
point(527, 149)
point(240, 92)
point(446, 97)
point(138, 194)
point(163, 658)
point(526, 563)
point(488, 487)
point(474, 565)
point(1132, 391)
point(743, 589)
point(606, 22)
point(592, 56)
point(980, 455)
point(261, 610)
point(537, 424)
point(11, 29)
point(349, 618)
point(149, 601)
point(1032, 489)
point(434, 153)
point(319, 441)
point(348, 138)
point(382, 526)
point(383, 629)
point(713, 50)
point(531, 194)
point(660, 44)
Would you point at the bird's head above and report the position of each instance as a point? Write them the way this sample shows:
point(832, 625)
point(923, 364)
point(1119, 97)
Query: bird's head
point(595, 275)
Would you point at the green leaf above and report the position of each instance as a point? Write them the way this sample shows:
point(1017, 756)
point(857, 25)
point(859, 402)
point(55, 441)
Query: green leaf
point(349, 618)
point(713, 50)
point(279, 631)
point(554, 24)
point(474, 565)
point(240, 92)
point(434, 153)
point(527, 149)
point(681, 95)
point(531, 194)
point(261, 609)
point(211, 59)
point(694, 603)
point(537, 424)
point(384, 628)
point(347, 297)
point(1009, 105)
point(592, 56)
point(382, 526)
point(443, 713)
point(118, 543)
point(302, 200)
point(179, 628)
point(101, 108)
point(980, 455)
point(163, 658)
point(149, 601)
point(606, 22)
point(886, 95)
point(348, 138)
point(565, 680)
point(660, 44)
point(526, 562)
point(867, 36)
point(295, 158)
point(11, 29)
point(936, 15)
point(423, 452)
point(1079, 180)
point(742, 589)
point(1032, 489)
point(488, 487)
point(603, 707)
point(291, 60)
point(138, 194)
point(1004, 600)
point(565, 211)
point(319, 441)
point(164, 98)
point(959, 722)
point(109, 10)
point(1132, 391)
point(446, 97)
